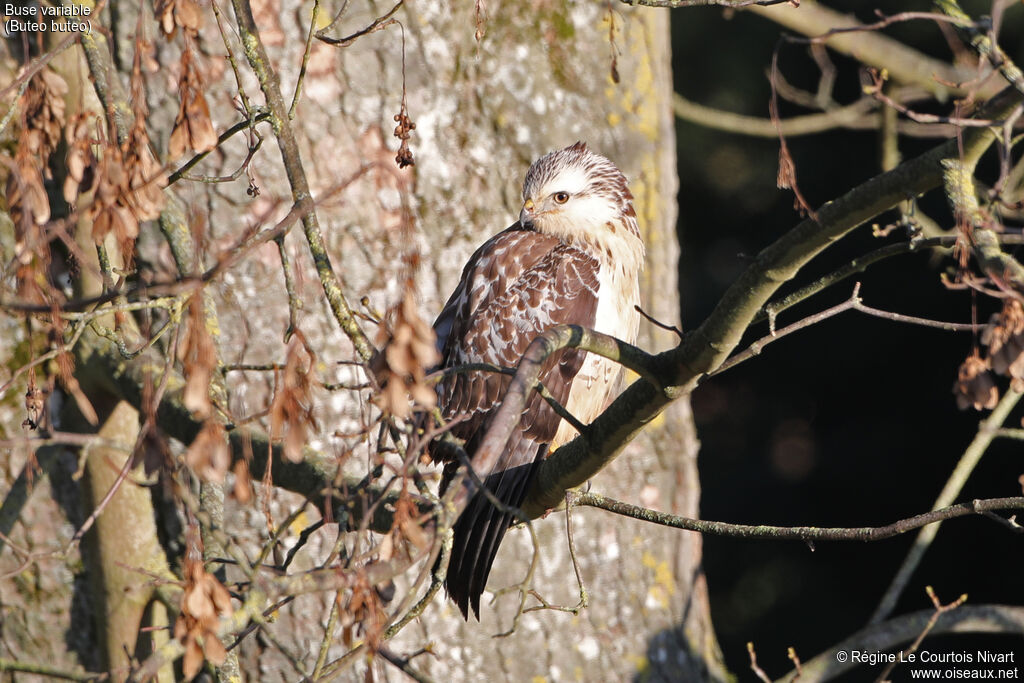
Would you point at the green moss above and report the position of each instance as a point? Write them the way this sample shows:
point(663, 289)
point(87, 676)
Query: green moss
point(564, 28)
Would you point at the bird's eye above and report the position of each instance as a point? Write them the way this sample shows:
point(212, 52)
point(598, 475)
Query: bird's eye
point(561, 197)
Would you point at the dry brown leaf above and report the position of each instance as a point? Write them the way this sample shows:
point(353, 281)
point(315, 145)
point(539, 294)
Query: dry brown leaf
point(174, 14)
point(243, 482)
point(81, 161)
point(401, 369)
point(193, 128)
point(193, 659)
point(363, 613)
point(1004, 337)
point(291, 411)
point(406, 521)
point(204, 601)
point(974, 386)
point(42, 116)
point(199, 360)
point(209, 455)
point(26, 199)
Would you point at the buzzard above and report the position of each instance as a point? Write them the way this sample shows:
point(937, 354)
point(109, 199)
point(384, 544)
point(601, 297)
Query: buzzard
point(573, 257)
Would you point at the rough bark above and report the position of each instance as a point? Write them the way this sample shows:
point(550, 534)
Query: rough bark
point(540, 77)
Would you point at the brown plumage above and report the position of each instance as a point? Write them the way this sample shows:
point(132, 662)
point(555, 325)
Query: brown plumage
point(573, 258)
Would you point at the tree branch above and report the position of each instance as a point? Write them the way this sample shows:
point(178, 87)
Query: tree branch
point(858, 116)
point(795, 533)
point(888, 635)
point(705, 349)
point(868, 47)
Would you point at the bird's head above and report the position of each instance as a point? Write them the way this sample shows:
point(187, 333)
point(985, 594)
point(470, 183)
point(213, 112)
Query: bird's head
point(578, 196)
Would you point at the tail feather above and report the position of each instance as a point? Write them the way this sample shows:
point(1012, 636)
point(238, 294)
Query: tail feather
point(478, 533)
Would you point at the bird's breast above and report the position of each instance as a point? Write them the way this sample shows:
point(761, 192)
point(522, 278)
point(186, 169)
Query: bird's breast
point(597, 382)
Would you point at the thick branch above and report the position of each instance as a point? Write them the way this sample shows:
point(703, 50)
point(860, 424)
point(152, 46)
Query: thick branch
point(704, 350)
point(315, 477)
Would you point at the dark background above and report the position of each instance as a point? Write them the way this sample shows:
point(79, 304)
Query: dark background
point(851, 422)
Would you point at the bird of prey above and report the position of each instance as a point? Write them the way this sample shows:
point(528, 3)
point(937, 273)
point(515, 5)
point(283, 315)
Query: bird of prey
point(574, 257)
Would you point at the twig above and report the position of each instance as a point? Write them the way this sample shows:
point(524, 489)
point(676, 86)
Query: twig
point(876, 91)
point(791, 654)
point(523, 586)
point(584, 598)
point(654, 321)
point(940, 609)
point(224, 137)
point(234, 175)
point(377, 24)
point(856, 116)
point(305, 59)
point(854, 303)
point(50, 671)
point(890, 634)
point(328, 638)
point(983, 43)
point(796, 533)
point(678, 4)
point(888, 20)
point(403, 665)
point(758, 671)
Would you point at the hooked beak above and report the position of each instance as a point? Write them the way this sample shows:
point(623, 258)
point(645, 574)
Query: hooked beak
point(526, 215)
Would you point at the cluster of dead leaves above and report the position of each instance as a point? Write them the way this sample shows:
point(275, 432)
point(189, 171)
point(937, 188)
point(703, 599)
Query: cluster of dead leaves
point(128, 185)
point(408, 526)
point(203, 603)
point(125, 181)
point(174, 14)
point(403, 131)
point(409, 352)
point(1004, 336)
point(193, 128)
point(291, 411)
point(42, 112)
point(362, 614)
point(42, 120)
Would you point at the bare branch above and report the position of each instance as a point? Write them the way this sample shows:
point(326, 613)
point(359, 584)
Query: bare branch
point(796, 533)
point(860, 115)
point(887, 635)
point(903, 63)
point(679, 4)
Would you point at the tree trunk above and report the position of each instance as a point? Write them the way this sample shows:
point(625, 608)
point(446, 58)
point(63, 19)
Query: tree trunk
point(490, 88)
